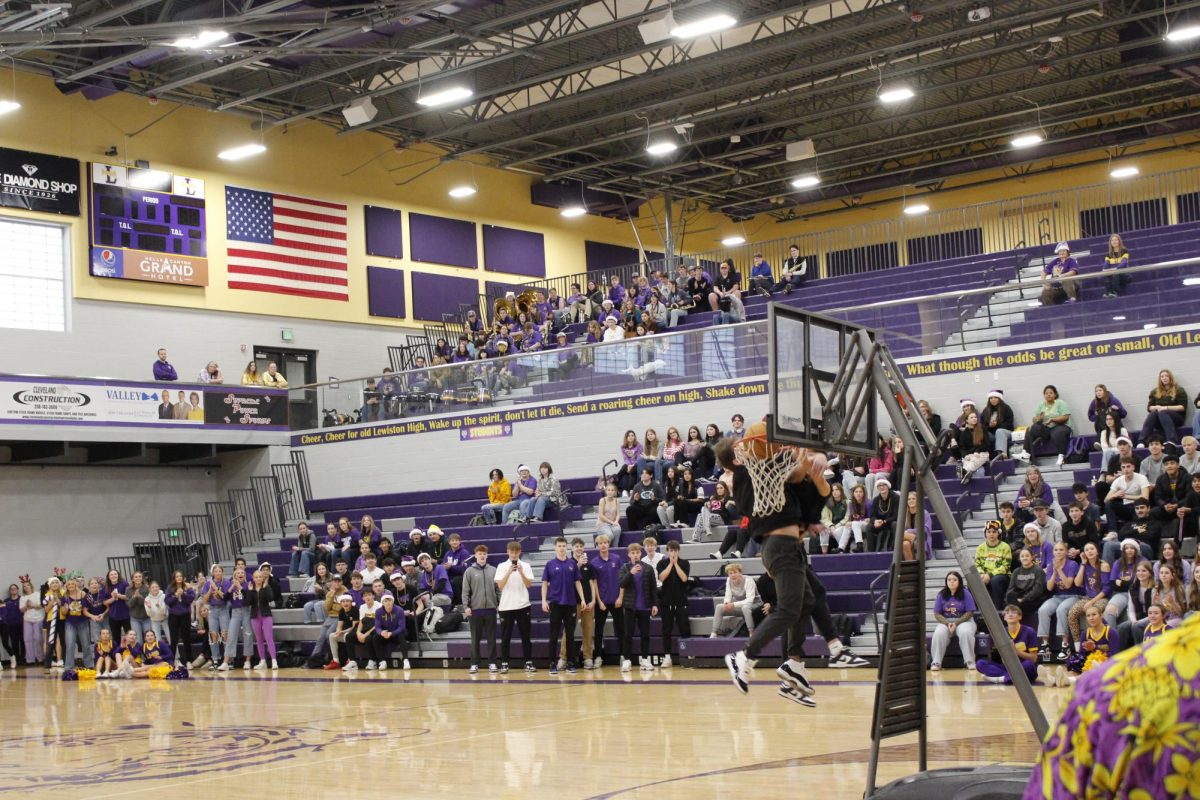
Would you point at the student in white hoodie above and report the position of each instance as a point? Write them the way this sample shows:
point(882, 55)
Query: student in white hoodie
point(156, 610)
point(513, 578)
point(741, 597)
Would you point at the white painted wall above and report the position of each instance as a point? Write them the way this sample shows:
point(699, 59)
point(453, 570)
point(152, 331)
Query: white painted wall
point(119, 340)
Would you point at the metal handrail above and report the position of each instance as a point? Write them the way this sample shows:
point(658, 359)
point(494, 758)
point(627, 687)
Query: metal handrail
point(875, 608)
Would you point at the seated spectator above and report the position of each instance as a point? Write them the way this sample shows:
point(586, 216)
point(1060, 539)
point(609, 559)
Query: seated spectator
point(1010, 528)
point(879, 466)
point(345, 623)
point(1116, 261)
point(1093, 578)
point(1090, 510)
point(1128, 487)
point(1063, 594)
point(1169, 554)
point(1027, 585)
point(1152, 465)
point(652, 455)
point(1112, 467)
point(304, 551)
point(993, 559)
point(761, 279)
point(1050, 422)
point(499, 495)
point(1098, 638)
point(456, 560)
point(523, 488)
point(696, 453)
point(835, 521)
point(1025, 641)
point(608, 513)
point(631, 453)
point(616, 292)
point(795, 271)
point(699, 287)
point(998, 421)
point(1121, 578)
point(1058, 278)
point(1043, 551)
point(858, 520)
point(677, 303)
point(1189, 461)
point(163, 371)
point(680, 508)
point(913, 515)
point(1050, 527)
point(975, 442)
point(1169, 495)
point(1189, 511)
point(717, 512)
point(432, 578)
point(1078, 531)
point(211, 374)
point(934, 421)
point(954, 610)
point(1032, 490)
point(644, 500)
point(548, 494)
point(1135, 600)
point(372, 397)
point(1108, 436)
point(272, 377)
point(740, 598)
point(1103, 402)
point(387, 633)
point(435, 543)
point(1170, 593)
point(884, 512)
point(726, 286)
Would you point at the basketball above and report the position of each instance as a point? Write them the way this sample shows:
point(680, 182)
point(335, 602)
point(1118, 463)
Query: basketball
point(755, 442)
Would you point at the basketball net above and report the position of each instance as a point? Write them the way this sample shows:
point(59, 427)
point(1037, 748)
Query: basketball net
point(768, 475)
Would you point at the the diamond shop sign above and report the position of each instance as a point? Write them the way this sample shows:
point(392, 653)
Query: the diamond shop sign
point(39, 182)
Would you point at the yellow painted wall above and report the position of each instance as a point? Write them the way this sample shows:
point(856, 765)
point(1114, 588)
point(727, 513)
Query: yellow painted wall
point(307, 159)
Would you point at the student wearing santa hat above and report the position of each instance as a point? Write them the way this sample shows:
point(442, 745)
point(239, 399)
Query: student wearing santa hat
point(997, 418)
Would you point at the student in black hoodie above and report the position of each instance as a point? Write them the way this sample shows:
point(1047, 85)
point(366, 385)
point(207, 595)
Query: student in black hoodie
point(1078, 530)
point(1169, 493)
point(673, 574)
point(639, 599)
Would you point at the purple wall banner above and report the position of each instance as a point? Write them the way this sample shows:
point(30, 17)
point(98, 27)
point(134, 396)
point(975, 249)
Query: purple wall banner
point(511, 250)
point(82, 401)
point(441, 240)
point(474, 432)
point(601, 255)
point(385, 292)
point(434, 295)
point(385, 231)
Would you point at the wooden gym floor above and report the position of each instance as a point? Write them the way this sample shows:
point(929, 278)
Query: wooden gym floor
point(442, 734)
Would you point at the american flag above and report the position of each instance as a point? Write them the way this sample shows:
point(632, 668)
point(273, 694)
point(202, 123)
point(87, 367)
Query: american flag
point(285, 244)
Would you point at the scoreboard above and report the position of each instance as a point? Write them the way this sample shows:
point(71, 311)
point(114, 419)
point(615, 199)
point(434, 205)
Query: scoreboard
point(147, 225)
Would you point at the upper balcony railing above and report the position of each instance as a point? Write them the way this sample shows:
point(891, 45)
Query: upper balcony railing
point(1032, 221)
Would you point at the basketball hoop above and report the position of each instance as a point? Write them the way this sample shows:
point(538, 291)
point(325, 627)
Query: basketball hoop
point(769, 466)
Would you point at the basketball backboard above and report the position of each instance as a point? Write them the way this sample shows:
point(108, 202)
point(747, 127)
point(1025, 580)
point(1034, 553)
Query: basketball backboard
point(821, 393)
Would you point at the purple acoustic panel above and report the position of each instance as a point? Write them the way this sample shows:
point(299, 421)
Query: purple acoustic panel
point(385, 232)
point(385, 292)
point(434, 295)
point(600, 255)
point(511, 250)
point(441, 240)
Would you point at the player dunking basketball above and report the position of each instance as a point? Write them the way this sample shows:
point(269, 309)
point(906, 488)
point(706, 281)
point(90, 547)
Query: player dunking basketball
point(781, 530)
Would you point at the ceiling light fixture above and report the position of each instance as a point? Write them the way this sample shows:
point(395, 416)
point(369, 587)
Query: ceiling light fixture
point(1124, 172)
point(1149, 326)
point(570, 212)
point(8, 106)
point(444, 97)
point(198, 41)
point(242, 151)
point(1024, 140)
point(703, 26)
point(1191, 281)
point(916, 209)
point(897, 93)
point(662, 147)
point(1119, 318)
point(463, 191)
point(806, 181)
point(1184, 33)
point(733, 241)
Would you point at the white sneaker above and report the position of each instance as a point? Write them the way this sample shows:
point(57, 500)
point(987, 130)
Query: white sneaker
point(626, 665)
point(666, 662)
point(246, 663)
point(588, 663)
point(198, 662)
point(224, 667)
point(994, 678)
point(741, 669)
point(474, 668)
point(1059, 461)
point(795, 674)
point(274, 664)
point(351, 665)
point(493, 668)
point(644, 664)
point(262, 665)
point(1061, 679)
point(371, 665)
point(407, 665)
point(562, 664)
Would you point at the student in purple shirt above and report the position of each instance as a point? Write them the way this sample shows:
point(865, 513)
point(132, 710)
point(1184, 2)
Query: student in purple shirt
point(523, 488)
point(432, 578)
point(116, 597)
point(562, 593)
point(129, 651)
point(1060, 582)
point(215, 592)
point(1058, 277)
point(631, 453)
point(616, 291)
point(456, 561)
point(163, 371)
point(1025, 641)
point(639, 600)
point(606, 588)
point(95, 609)
point(154, 653)
point(954, 609)
point(180, 597)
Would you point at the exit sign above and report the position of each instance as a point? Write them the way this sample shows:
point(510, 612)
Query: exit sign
point(173, 533)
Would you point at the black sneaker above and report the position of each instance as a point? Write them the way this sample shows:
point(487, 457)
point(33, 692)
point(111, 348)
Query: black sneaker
point(847, 660)
point(1044, 655)
point(788, 693)
point(529, 667)
point(504, 668)
point(1063, 654)
point(554, 669)
point(796, 678)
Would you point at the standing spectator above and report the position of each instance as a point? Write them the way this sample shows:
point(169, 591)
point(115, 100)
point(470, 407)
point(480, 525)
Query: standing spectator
point(273, 378)
point(1058, 278)
point(215, 592)
point(163, 371)
point(1064, 593)
point(250, 376)
point(954, 610)
point(32, 618)
point(1164, 410)
point(116, 600)
point(239, 621)
point(673, 575)
point(480, 599)
point(499, 495)
point(997, 418)
point(180, 597)
point(639, 598)
point(1104, 401)
point(261, 597)
point(1027, 586)
point(741, 597)
point(1116, 261)
point(993, 559)
point(795, 270)
point(10, 625)
point(606, 586)
point(1093, 578)
point(561, 594)
point(211, 374)
point(586, 611)
point(1050, 422)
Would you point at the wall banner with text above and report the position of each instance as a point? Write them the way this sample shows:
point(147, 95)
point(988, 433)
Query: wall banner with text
point(39, 182)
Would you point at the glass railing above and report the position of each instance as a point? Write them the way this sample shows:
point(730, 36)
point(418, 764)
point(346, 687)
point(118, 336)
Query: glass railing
point(962, 326)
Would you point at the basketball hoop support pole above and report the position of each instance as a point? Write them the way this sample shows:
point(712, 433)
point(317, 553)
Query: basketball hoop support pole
point(912, 429)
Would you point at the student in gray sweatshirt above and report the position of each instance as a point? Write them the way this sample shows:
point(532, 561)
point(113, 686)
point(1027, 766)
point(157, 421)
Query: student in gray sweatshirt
point(480, 598)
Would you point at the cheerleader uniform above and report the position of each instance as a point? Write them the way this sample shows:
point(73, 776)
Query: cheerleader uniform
point(1025, 640)
point(157, 653)
point(103, 650)
point(1152, 632)
point(1105, 641)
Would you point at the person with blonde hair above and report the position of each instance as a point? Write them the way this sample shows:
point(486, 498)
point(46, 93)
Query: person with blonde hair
point(1164, 409)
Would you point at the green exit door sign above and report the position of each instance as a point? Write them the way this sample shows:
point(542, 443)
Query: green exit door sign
point(173, 533)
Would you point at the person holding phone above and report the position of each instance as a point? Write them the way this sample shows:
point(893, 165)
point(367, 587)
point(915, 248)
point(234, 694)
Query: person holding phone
point(513, 579)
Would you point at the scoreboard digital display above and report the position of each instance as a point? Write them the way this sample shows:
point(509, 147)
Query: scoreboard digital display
point(147, 225)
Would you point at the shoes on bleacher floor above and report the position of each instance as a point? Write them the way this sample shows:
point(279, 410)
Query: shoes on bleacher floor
point(492, 668)
point(529, 667)
point(741, 669)
point(788, 693)
point(407, 665)
point(847, 660)
point(644, 664)
point(1060, 461)
point(351, 666)
point(504, 668)
point(473, 669)
point(383, 665)
point(626, 665)
point(795, 675)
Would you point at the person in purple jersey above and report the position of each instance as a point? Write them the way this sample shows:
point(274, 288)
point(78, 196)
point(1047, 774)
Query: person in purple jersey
point(606, 587)
point(1043, 551)
point(954, 609)
point(456, 561)
point(116, 597)
point(129, 651)
point(1024, 640)
point(639, 600)
point(180, 597)
point(104, 654)
point(163, 371)
point(11, 624)
point(1060, 583)
point(562, 593)
point(1099, 642)
point(154, 654)
point(215, 592)
point(433, 579)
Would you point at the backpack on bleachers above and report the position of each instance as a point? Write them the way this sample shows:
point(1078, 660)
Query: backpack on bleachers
point(477, 520)
point(450, 622)
point(1077, 451)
